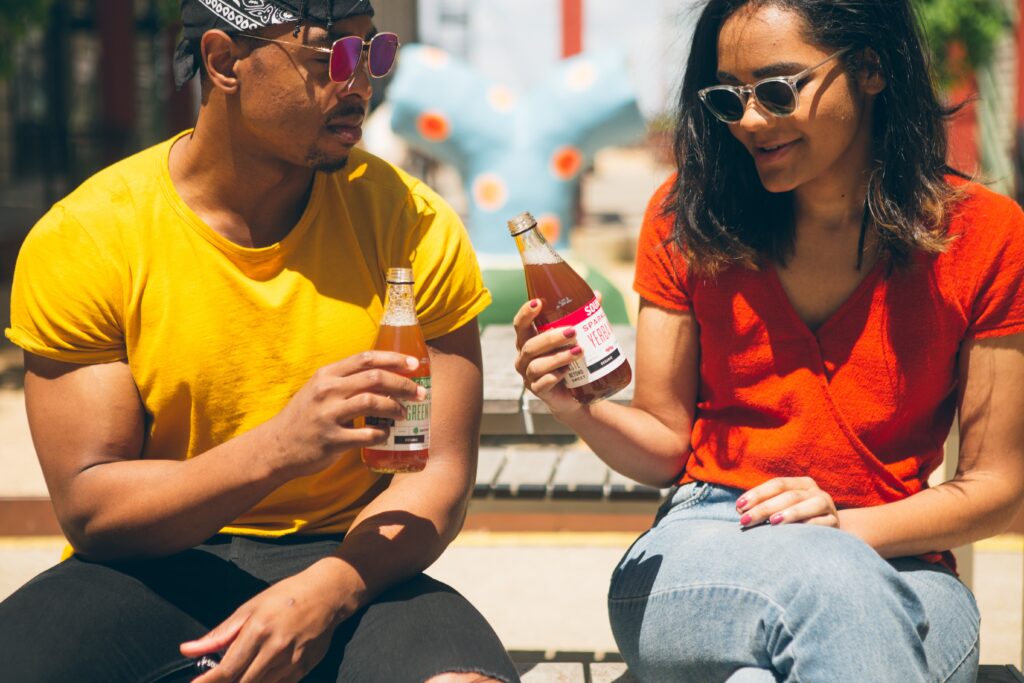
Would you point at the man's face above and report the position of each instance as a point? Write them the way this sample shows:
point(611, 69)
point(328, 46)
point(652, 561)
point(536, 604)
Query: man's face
point(288, 105)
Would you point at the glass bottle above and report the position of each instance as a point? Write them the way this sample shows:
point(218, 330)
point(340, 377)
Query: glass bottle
point(567, 300)
point(408, 443)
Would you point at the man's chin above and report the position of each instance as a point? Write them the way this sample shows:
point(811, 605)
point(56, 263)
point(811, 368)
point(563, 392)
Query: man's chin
point(325, 163)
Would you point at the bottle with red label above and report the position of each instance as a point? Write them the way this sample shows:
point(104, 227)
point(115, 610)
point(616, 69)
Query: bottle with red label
point(567, 300)
point(408, 443)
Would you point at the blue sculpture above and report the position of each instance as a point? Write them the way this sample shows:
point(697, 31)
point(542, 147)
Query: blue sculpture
point(514, 153)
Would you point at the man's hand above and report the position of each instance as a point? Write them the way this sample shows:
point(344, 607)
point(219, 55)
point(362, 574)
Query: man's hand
point(317, 424)
point(279, 635)
point(785, 500)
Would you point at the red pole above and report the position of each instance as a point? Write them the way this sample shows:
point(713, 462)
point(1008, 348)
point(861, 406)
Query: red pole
point(116, 22)
point(572, 27)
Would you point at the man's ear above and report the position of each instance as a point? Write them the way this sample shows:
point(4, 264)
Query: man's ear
point(220, 53)
point(872, 80)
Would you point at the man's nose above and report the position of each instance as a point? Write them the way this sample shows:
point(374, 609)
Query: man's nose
point(359, 83)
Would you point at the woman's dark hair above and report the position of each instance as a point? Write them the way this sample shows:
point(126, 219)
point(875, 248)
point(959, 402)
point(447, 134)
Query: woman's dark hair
point(722, 213)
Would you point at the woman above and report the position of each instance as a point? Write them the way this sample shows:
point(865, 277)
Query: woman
point(834, 294)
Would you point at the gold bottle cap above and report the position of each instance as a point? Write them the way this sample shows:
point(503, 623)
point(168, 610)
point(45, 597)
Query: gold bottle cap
point(399, 276)
point(521, 223)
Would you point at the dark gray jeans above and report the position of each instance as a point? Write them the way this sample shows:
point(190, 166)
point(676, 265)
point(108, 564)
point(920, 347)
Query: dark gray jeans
point(123, 622)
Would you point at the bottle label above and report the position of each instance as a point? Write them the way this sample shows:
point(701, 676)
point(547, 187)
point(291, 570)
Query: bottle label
point(601, 352)
point(412, 433)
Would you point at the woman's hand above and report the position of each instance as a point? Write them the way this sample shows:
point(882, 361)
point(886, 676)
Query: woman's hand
point(787, 500)
point(543, 359)
point(279, 635)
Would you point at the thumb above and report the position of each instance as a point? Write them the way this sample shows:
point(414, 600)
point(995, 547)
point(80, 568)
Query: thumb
point(216, 640)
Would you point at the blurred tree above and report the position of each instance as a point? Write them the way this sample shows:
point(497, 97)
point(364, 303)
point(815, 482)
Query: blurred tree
point(15, 19)
point(975, 26)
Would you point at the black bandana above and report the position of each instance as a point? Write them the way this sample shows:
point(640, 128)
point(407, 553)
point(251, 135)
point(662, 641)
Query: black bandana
point(234, 16)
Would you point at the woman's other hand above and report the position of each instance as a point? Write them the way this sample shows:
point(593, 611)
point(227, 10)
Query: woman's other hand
point(542, 359)
point(787, 500)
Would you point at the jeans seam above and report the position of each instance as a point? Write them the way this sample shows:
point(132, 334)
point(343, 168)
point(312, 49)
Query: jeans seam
point(703, 490)
point(962, 661)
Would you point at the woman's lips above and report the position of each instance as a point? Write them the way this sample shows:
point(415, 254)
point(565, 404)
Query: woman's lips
point(770, 153)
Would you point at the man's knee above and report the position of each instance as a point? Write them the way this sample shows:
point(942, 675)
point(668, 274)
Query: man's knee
point(462, 677)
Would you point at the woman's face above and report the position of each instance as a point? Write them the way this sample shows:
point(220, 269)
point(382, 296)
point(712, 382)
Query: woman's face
point(828, 137)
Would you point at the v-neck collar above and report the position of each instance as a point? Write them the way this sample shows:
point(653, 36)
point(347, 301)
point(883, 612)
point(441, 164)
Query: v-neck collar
point(865, 286)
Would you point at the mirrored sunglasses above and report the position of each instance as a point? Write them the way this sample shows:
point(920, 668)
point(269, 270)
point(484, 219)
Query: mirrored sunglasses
point(778, 95)
point(381, 54)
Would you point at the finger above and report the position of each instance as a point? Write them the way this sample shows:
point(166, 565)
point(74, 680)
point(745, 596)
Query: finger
point(368, 360)
point(547, 364)
point(370, 405)
point(236, 660)
point(523, 321)
point(216, 640)
point(813, 508)
point(383, 382)
point(763, 511)
point(771, 488)
point(549, 382)
point(598, 295)
point(267, 666)
point(549, 341)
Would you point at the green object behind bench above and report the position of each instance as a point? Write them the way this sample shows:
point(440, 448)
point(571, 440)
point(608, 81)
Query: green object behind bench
point(508, 288)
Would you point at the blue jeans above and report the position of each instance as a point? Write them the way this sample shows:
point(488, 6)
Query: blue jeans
point(697, 599)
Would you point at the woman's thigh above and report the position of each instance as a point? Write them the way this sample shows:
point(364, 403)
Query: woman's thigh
point(697, 594)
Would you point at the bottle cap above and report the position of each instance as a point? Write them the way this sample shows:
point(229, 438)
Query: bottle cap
point(521, 223)
point(399, 276)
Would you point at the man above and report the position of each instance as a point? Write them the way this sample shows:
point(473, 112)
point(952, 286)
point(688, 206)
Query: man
point(196, 322)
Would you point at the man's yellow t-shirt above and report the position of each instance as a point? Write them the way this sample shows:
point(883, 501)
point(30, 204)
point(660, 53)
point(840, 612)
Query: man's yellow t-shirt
point(218, 336)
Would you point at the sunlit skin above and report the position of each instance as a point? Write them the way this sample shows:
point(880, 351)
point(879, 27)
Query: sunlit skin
point(286, 120)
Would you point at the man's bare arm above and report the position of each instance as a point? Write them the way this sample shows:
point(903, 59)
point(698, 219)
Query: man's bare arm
point(87, 425)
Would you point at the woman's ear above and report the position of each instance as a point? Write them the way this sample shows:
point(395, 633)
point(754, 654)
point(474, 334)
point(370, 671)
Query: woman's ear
point(220, 53)
point(872, 80)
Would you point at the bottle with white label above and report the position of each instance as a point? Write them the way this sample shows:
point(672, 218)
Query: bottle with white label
point(567, 300)
point(408, 443)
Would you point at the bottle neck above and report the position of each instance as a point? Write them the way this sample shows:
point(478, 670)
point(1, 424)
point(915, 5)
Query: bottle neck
point(534, 248)
point(399, 305)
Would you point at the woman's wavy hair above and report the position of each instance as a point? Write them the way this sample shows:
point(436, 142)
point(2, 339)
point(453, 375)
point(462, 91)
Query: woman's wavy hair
point(722, 213)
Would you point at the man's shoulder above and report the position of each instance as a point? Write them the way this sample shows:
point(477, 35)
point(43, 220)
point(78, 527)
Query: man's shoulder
point(367, 173)
point(126, 185)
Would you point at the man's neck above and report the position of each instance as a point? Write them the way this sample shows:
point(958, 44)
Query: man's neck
point(244, 196)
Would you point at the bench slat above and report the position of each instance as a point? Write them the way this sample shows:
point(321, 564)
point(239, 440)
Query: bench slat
point(579, 473)
point(503, 387)
point(489, 463)
point(527, 471)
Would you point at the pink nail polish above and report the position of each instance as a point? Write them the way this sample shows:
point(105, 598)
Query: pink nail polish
point(569, 332)
point(745, 519)
point(776, 518)
point(741, 503)
point(533, 304)
point(576, 350)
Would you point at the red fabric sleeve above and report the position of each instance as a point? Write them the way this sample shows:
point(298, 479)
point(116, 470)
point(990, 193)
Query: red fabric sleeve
point(660, 268)
point(997, 307)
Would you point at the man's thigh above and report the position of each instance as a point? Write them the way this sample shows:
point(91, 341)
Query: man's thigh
point(117, 622)
point(412, 632)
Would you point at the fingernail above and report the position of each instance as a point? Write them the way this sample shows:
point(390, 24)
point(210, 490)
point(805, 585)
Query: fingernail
point(741, 503)
point(745, 520)
point(569, 332)
point(421, 393)
point(534, 303)
point(576, 350)
point(776, 518)
point(411, 362)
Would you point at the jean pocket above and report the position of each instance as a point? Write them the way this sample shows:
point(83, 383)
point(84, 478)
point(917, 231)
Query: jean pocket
point(683, 498)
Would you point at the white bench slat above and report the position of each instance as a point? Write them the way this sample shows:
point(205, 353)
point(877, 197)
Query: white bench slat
point(527, 471)
point(579, 472)
point(503, 387)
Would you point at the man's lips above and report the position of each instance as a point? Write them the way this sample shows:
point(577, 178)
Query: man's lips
point(349, 129)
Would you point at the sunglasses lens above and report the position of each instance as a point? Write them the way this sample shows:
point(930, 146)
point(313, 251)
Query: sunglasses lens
point(383, 49)
point(725, 104)
point(776, 97)
point(345, 58)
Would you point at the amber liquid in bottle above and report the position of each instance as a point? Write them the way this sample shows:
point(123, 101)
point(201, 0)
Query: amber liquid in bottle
point(567, 300)
point(408, 444)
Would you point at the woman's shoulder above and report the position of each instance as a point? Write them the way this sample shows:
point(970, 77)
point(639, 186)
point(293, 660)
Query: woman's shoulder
point(980, 213)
